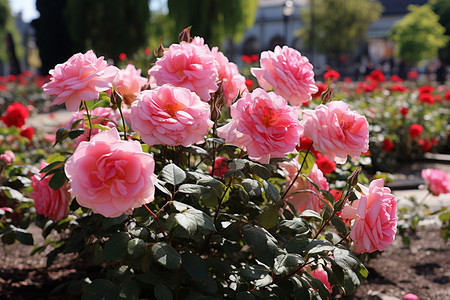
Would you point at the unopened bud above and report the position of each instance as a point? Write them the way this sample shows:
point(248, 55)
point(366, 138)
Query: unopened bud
point(353, 178)
point(185, 35)
point(159, 52)
point(327, 95)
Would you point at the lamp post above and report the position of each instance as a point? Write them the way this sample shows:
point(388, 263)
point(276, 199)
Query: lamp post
point(287, 10)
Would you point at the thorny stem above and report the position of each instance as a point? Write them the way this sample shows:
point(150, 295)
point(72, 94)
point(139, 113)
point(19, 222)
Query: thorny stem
point(159, 224)
point(298, 173)
point(89, 120)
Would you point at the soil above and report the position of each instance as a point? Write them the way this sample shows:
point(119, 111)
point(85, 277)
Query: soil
point(422, 269)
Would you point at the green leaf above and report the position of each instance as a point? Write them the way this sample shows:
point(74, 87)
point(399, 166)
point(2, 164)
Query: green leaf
point(245, 296)
point(73, 134)
point(173, 174)
point(310, 214)
point(190, 219)
point(100, 289)
point(162, 292)
point(339, 224)
point(307, 159)
point(136, 247)
point(253, 272)
point(116, 247)
point(110, 222)
point(57, 181)
point(166, 256)
point(61, 135)
point(297, 225)
point(260, 170)
point(252, 187)
point(129, 290)
point(52, 165)
point(189, 188)
point(13, 194)
point(262, 242)
point(269, 218)
point(24, 237)
point(271, 191)
point(217, 186)
point(195, 266)
point(346, 259)
point(445, 217)
point(197, 151)
point(56, 157)
point(317, 246)
point(284, 261)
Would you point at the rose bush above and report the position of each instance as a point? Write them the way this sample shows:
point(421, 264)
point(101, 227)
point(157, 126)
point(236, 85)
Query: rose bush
point(183, 197)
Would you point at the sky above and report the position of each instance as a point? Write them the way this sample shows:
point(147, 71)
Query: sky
point(29, 12)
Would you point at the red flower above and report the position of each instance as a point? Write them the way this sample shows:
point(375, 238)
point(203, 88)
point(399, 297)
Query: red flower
point(347, 79)
point(447, 95)
point(426, 98)
point(122, 56)
point(415, 130)
point(247, 59)
point(322, 87)
point(3, 87)
point(147, 51)
point(377, 75)
point(220, 166)
point(388, 145)
point(404, 111)
point(425, 144)
point(426, 89)
point(412, 75)
point(27, 132)
point(249, 83)
point(16, 115)
point(254, 58)
point(398, 88)
point(324, 164)
point(332, 75)
point(395, 78)
point(12, 77)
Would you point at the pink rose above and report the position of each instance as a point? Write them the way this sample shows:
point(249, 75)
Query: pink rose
point(336, 131)
point(375, 218)
point(289, 74)
point(322, 275)
point(171, 116)
point(8, 156)
point(188, 65)
point(48, 202)
point(129, 82)
point(111, 176)
point(410, 297)
point(437, 180)
point(232, 81)
point(306, 200)
point(104, 116)
point(264, 124)
point(81, 78)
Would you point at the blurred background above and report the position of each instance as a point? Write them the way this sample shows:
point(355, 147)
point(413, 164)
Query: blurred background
point(353, 37)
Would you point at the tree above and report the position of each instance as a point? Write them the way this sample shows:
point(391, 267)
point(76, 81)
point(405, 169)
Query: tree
point(10, 41)
point(52, 38)
point(336, 27)
point(213, 19)
point(418, 35)
point(442, 9)
point(109, 27)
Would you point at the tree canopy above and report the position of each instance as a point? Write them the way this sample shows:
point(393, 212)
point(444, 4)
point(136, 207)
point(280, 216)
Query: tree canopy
point(8, 31)
point(109, 27)
point(418, 35)
point(335, 27)
point(213, 19)
point(442, 9)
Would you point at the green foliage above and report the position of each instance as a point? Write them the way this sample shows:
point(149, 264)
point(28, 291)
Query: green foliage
point(418, 35)
point(8, 26)
point(90, 24)
point(335, 27)
point(442, 9)
point(213, 19)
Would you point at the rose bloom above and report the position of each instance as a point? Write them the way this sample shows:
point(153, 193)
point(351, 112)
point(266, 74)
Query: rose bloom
point(415, 130)
point(426, 98)
point(404, 111)
point(8, 157)
point(395, 78)
point(437, 181)
point(447, 95)
point(321, 87)
point(289, 74)
point(388, 145)
point(16, 115)
point(111, 176)
point(129, 82)
point(377, 75)
point(228, 74)
point(322, 275)
point(104, 116)
point(425, 144)
point(375, 220)
point(249, 83)
point(398, 88)
point(336, 131)
point(188, 65)
point(27, 132)
point(324, 164)
point(426, 89)
point(264, 124)
point(412, 75)
point(48, 202)
point(81, 78)
point(171, 116)
point(220, 166)
point(307, 200)
point(332, 75)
